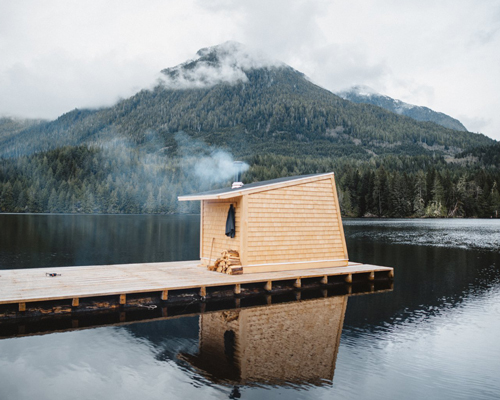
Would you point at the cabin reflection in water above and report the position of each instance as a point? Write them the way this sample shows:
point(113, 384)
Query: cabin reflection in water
point(281, 344)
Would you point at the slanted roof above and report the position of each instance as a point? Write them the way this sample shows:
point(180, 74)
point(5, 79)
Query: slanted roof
point(227, 193)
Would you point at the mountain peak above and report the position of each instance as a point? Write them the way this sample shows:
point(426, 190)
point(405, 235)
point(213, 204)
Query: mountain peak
point(227, 62)
point(365, 94)
point(226, 48)
point(361, 90)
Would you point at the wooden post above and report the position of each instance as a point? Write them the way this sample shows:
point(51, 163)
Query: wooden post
point(298, 283)
point(123, 316)
point(339, 218)
point(211, 250)
point(237, 289)
point(164, 295)
point(269, 299)
point(390, 274)
point(237, 302)
point(22, 307)
point(202, 203)
point(123, 299)
point(348, 278)
point(203, 291)
point(371, 277)
point(298, 295)
point(243, 229)
point(324, 280)
point(164, 312)
point(268, 286)
point(75, 302)
point(325, 293)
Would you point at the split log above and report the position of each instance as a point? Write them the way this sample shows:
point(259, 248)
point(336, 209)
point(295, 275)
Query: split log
point(228, 263)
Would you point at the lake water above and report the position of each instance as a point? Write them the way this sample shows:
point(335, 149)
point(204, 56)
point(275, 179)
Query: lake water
point(434, 336)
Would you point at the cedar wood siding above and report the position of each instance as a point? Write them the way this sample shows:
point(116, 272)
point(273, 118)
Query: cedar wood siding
point(213, 223)
point(294, 224)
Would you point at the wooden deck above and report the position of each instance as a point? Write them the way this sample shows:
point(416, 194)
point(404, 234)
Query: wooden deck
point(33, 285)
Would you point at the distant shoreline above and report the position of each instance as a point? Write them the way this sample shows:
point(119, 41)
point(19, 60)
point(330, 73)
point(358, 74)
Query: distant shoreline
point(180, 214)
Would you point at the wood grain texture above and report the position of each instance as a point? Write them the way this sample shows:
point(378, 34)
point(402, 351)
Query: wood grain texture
point(294, 224)
point(213, 226)
point(27, 285)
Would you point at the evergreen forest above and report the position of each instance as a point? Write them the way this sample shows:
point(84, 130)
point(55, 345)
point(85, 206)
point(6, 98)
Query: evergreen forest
point(138, 155)
point(121, 179)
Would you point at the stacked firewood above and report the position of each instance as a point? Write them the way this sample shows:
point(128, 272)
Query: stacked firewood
point(228, 263)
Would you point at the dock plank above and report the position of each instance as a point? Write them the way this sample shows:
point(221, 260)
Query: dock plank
point(28, 285)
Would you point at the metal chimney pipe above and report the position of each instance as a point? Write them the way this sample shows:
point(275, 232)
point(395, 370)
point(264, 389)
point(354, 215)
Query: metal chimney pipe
point(238, 166)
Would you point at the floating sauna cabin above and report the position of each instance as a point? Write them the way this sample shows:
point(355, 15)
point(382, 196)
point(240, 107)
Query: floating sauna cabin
point(277, 225)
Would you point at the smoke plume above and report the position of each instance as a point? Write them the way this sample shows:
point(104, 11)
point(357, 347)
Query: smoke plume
point(209, 165)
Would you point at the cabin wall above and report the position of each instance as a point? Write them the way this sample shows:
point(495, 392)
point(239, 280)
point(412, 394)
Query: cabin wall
point(213, 228)
point(292, 225)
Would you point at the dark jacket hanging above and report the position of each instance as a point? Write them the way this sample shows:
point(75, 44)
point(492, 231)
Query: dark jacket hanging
point(230, 222)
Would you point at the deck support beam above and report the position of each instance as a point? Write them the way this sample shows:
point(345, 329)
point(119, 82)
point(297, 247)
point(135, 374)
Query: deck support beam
point(237, 289)
point(120, 281)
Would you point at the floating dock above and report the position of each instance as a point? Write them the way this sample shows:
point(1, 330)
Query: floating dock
point(28, 291)
point(46, 323)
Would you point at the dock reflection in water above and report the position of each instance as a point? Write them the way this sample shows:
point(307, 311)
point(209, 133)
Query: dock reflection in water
point(288, 340)
point(281, 344)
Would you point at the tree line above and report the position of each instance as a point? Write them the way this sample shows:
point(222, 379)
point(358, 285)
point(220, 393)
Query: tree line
point(121, 179)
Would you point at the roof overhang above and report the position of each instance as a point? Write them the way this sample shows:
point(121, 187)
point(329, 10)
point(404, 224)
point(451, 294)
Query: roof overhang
point(255, 188)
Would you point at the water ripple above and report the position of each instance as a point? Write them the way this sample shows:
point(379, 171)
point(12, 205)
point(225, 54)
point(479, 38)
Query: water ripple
point(467, 234)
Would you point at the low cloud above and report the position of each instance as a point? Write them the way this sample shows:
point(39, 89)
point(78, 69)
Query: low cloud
point(225, 63)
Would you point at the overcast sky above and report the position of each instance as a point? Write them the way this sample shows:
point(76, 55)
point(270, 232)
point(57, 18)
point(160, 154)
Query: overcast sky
point(59, 55)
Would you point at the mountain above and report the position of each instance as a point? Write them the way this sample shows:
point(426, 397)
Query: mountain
point(230, 101)
point(366, 95)
point(12, 126)
point(232, 97)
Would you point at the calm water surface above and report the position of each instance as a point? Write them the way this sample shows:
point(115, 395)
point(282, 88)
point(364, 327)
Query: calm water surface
point(434, 336)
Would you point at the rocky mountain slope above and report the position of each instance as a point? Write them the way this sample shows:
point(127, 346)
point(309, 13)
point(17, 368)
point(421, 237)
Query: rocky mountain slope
point(231, 97)
point(366, 95)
